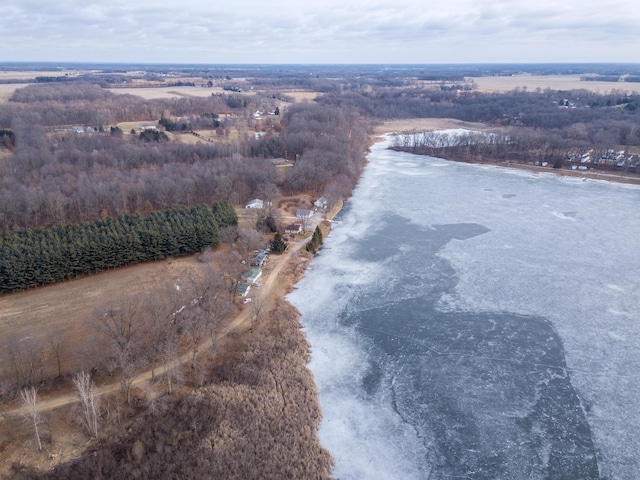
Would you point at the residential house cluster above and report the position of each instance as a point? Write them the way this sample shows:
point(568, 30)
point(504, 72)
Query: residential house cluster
point(580, 160)
point(249, 278)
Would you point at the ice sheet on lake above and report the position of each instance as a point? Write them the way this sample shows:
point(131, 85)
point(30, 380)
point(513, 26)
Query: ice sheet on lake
point(557, 254)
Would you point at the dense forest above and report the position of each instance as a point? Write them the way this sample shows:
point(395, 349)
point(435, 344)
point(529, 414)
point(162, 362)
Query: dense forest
point(55, 176)
point(30, 258)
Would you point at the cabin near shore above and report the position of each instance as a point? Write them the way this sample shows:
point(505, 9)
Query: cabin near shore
point(251, 276)
point(255, 203)
point(293, 229)
point(243, 290)
point(320, 203)
point(303, 214)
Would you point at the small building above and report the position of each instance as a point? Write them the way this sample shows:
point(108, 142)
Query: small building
point(259, 260)
point(255, 203)
point(320, 203)
point(243, 290)
point(303, 214)
point(252, 276)
point(293, 229)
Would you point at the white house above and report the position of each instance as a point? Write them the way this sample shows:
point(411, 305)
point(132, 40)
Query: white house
point(243, 290)
point(320, 203)
point(255, 203)
point(251, 276)
point(303, 214)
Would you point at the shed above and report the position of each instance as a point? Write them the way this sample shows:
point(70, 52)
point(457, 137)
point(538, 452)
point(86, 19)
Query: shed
point(243, 290)
point(259, 260)
point(255, 203)
point(320, 203)
point(293, 228)
point(252, 275)
point(304, 214)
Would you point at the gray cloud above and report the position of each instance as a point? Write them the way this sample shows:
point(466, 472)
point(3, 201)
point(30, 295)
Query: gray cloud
point(349, 31)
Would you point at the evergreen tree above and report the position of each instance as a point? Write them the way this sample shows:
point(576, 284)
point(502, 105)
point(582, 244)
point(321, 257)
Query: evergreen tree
point(225, 214)
point(315, 242)
point(278, 245)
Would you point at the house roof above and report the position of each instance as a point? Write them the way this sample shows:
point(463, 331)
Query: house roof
point(243, 289)
point(252, 274)
point(303, 213)
point(293, 227)
point(256, 202)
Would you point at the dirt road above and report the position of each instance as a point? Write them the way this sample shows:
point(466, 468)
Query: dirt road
point(279, 262)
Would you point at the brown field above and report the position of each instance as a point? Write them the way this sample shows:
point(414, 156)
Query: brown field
point(554, 82)
point(64, 307)
point(151, 93)
point(28, 75)
point(137, 125)
point(235, 133)
point(409, 125)
point(7, 89)
point(300, 96)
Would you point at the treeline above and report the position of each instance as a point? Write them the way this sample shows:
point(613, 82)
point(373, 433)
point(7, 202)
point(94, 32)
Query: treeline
point(612, 118)
point(87, 104)
point(29, 258)
point(163, 176)
point(329, 145)
point(316, 241)
point(526, 146)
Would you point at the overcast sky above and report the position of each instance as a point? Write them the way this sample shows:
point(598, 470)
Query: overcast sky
point(330, 31)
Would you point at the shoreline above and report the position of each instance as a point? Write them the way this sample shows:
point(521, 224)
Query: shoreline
point(417, 125)
point(409, 126)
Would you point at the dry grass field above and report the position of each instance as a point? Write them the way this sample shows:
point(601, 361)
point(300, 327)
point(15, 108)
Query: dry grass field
point(300, 96)
point(151, 93)
point(7, 89)
point(554, 82)
point(29, 75)
point(409, 125)
point(65, 307)
point(488, 84)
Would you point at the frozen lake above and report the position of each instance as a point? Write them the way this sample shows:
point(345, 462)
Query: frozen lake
point(477, 322)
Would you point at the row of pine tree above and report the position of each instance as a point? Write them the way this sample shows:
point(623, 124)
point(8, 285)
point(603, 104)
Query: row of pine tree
point(29, 258)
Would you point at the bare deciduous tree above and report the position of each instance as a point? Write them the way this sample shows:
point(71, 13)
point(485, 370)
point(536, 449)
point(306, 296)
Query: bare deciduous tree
point(88, 394)
point(57, 342)
point(122, 327)
point(27, 356)
point(257, 307)
point(172, 366)
point(159, 311)
point(210, 303)
point(29, 397)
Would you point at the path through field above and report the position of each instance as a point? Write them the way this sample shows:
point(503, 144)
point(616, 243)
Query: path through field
point(279, 262)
